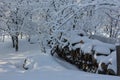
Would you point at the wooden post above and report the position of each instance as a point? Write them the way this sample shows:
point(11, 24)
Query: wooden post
point(118, 59)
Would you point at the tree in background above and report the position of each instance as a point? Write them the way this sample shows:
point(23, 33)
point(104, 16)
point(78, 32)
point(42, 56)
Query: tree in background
point(13, 18)
point(45, 17)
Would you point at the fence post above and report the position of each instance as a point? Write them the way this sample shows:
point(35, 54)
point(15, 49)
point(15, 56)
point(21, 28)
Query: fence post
point(118, 59)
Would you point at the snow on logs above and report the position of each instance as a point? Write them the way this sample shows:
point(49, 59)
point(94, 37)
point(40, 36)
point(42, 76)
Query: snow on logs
point(87, 54)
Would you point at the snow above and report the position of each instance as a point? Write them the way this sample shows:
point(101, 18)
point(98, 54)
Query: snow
point(112, 59)
point(74, 38)
point(102, 50)
point(99, 43)
point(87, 47)
point(77, 46)
point(36, 18)
point(41, 66)
point(106, 59)
point(89, 44)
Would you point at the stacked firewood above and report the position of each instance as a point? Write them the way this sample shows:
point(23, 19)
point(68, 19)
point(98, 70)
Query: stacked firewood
point(105, 70)
point(84, 61)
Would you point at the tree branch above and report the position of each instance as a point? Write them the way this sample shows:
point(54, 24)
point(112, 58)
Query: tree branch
point(3, 29)
point(112, 17)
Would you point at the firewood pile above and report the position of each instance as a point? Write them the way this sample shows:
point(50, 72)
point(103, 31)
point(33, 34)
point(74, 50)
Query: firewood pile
point(85, 61)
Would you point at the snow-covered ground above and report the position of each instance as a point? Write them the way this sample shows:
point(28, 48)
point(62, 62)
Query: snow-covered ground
point(41, 66)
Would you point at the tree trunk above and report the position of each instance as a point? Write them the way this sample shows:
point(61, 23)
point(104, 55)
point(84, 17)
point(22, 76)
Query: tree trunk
point(29, 38)
point(16, 45)
point(13, 41)
point(21, 35)
point(118, 59)
point(3, 38)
